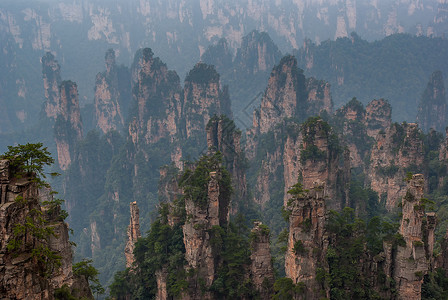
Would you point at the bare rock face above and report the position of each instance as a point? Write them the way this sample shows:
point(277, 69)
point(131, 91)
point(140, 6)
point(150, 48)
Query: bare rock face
point(108, 111)
point(198, 234)
point(68, 126)
point(62, 109)
point(223, 136)
point(133, 234)
point(318, 97)
point(156, 92)
point(261, 269)
point(169, 191)
point(411, 262)
point(432, 110)
point(396, 150)
point(320, 158)
point(285, 96)
point(378, 116)
point(266, 53)
point(203, 98)
point(307, 242)
point(352, 119)
point(311, 152)
point(51, 72)
point(289, 95)
point(24, 276)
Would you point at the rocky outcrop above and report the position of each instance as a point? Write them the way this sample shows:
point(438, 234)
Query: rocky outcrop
point(156, 93)
point(219, 55)
point(261, 269)
point(28, 234)
point(169, 192)
point(307, 241)
point(258, 53)
point(378, 116)
point(133, 234)
point(223, 136)
point(396, 151)
point(68, 126)
point(411, 262)
point(311, 152)
point(432, 111)
point(351, 119)
point(51, 72)
point(289, 95)
point(203, 98)
point(318, 97)
point(112, 89)
point(199, 230)
point(320, 156)
point(285, 97)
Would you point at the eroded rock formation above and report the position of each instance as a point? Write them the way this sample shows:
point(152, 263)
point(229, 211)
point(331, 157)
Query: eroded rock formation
point(307, 242)
point(378, 116)
point(68, 126)
point(261, 269)
point(133, 234)
point(432, 111)
point(223, 136)
point(198, 233)
point(112, 94)
point(203, 98)
point(411, 262)
point(51, 72)
point(396, 151)
point(27, 270)
point(157, 99)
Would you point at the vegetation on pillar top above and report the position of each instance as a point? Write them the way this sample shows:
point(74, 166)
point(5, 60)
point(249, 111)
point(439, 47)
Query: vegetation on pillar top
point(29, 160)
point(195, 181)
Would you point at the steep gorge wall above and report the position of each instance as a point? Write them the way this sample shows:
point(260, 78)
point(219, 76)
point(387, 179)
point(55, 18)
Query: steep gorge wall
point(25, 275)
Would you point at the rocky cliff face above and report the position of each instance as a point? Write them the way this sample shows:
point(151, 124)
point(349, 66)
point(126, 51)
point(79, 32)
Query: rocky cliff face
point(51, 72)
point(203, 98)
point(157, 105)
point(133, 234)
point(396, 151)
point(288, 95)
point(223, 136)
point(28, 270)
point(432, 111)
point(261, 269)
point(320, 162)
point(285, 97)
point(411, 261)
point(378, 116)
point(307, 241)
point(111, 95)
point(310, 152)
point(258, 53)
point(68, 125)
point(198, 233)
point(62, 109)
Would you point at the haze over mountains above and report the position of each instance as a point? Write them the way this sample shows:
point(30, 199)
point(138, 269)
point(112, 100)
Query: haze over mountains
point(208, 115)
point(79, 32)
